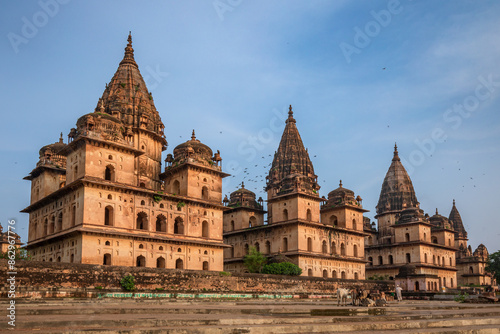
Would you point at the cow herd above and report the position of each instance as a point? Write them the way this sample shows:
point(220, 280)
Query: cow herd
point(360, 297)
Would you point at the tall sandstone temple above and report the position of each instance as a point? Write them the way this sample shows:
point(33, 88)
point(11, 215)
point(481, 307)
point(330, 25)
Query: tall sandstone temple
point(102, 198)
point(324, 237)
point(420, 252)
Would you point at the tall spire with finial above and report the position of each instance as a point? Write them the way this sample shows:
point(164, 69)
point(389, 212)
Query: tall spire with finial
point(340, 184)
point(292, 158)
point(397, 190)
point(456, 222)
point(61, 139)
point(193, 136)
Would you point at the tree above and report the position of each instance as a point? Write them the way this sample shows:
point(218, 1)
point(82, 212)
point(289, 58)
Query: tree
point(494, 265)
point(254, 261)
point(283, 268)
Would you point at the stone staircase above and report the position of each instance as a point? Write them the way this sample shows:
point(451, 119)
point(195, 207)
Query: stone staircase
point(248, 316)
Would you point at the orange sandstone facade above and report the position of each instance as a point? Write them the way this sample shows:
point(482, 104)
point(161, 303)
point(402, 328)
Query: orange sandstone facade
point(102, 198)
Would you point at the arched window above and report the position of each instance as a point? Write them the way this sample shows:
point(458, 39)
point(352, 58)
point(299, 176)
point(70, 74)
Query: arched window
point(108, 215)
point(433, 259)
point(380, 260)
point(45, 226)
point(58, 259)
point(325, 273)
point(334, 248)
point(268, 247)
point(73, 215)
point(334, 274)
point(354, 223)
point(247, 249)
point(451, 261)
point(417, 286)
point(391, 259)
point(434, 240)
point(309, 217)
point(407, 237)
point(370, 261)
point(356, 276)
point(161, 223)
point(179, 264)
point(176, 187)
point(140, 261)
point(257, 246)
point(444, 281)
point(141, 246)
point(309, 244)
point(425, 257)
point(109, 173)
point(425, 236)
point(333, 220)
point(355, 251)
point(107, 243)
point(309, 272)
point(52, 224)
point(204, 193)
point(342, 275)
point(285, 214)
point(72, 258)
point(451, 282)
point(160, 262)
point(106, 259)
point(232, 225)
point(59, 221)
point(178, 226)
point(143, 202)
point(449, 242)
point(370, 240)
point(324, 247)
point(408, 258)
point(252, 222)
point(142, 221)
point(205, 265)
point(204, 229)
point(471, 270)
point(75, 172)
point(284, 245)
point(342, 249)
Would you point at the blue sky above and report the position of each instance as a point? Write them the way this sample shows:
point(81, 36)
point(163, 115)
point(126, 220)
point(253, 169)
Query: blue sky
point(360, 75)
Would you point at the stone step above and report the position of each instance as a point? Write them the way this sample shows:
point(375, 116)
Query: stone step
point(457, 326)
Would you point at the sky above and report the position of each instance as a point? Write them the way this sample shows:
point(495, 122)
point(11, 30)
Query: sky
point(360, 75)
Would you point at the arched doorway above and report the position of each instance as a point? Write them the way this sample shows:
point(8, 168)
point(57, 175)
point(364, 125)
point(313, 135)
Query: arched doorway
point(140, 261)
point(179, 264)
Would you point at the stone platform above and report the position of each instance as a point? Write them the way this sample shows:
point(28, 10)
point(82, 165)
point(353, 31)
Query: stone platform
point(248, 316)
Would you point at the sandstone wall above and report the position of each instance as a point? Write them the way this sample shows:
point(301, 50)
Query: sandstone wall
point(44, 275)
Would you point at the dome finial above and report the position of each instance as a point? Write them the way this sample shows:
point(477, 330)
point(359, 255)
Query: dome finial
point(340, 184)
point(396, 154)
point(290, 115)
point(193, 136)
point(437, 211)
point(129, 52)
point(242, 184)
point(61, 138)
point(453, 202)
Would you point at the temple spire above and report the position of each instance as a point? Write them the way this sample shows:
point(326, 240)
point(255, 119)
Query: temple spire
point(193, 136)
point(61, 138)
point(290, 115)
point(128, 58)
point(396, 154)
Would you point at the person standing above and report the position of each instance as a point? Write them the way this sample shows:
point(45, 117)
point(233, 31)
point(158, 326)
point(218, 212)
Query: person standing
point(398, 293)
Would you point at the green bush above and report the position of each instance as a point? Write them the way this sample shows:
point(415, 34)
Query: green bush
point(461, 298)
point(283, 268)
point(128, 282)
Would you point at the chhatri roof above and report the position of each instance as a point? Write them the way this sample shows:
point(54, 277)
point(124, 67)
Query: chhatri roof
point(456, 221)
point(127, 98)
point(291, 167)
point(397, 190)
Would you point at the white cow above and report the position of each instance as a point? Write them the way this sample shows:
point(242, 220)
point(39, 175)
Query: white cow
point(342, 295)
